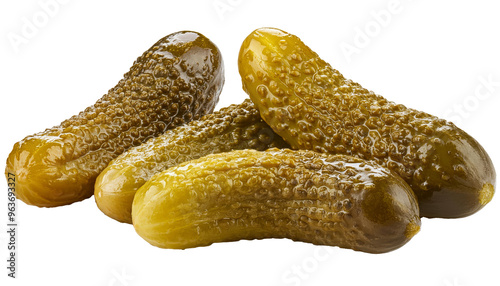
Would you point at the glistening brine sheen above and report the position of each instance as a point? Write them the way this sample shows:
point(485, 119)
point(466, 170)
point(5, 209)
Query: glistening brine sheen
point(313, 106)
point(236, 127)
point(177, 80)
point(301, 195)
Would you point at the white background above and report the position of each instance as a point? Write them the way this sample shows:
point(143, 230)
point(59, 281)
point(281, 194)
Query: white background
point(428, 55)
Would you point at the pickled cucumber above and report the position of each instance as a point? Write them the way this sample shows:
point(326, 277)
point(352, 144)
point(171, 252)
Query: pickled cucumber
point(301, 195)
point(177, 80)
point(232, 128)
point(312, 106)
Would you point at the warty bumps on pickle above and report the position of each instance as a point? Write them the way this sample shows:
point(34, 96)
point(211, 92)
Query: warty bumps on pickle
point(235, 127)
point(301, 195)
point(313, 106)
point(177, 80)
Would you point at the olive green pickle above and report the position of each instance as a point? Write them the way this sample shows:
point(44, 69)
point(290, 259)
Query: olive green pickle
point(312, 106)
point(238, 126)
point(177, 80)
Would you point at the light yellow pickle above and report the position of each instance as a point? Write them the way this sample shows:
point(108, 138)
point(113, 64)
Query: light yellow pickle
point(301, 195)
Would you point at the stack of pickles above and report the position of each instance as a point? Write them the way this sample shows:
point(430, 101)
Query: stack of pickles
point(311, 156)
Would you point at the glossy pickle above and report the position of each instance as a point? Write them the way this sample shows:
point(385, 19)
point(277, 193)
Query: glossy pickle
point(232, 128)
point(177, 80)
point(312, 106)
point(301, 195)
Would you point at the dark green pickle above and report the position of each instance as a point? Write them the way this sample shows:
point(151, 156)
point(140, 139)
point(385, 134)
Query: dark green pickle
point(177, 80)
point(312, 106)
point(301, 195)
point(232, 128)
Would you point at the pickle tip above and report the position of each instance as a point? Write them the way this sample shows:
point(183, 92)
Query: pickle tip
point(411, 229)
point(486, 194)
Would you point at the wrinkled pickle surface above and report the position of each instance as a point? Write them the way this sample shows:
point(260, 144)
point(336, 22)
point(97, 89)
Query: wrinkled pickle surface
point(301, 195)
point(232, 128)
point(177, 80)
point(312, 106)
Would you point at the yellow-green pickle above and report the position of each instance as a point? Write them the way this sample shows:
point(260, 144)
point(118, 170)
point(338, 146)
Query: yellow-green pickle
point(312, 106)
point(232, 128)
point(177, 80)
point(301, 195)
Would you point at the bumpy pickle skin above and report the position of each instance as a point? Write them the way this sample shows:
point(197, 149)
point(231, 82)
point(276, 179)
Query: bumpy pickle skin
point(236, 127)
point(312, 106)
point(301, 195)
point(177, 80)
